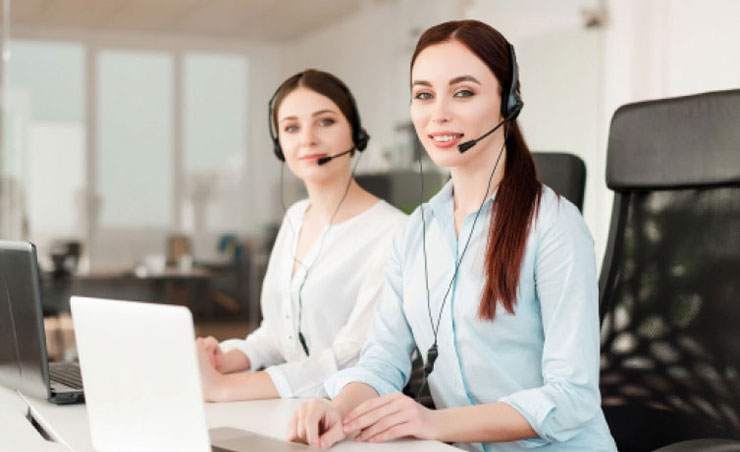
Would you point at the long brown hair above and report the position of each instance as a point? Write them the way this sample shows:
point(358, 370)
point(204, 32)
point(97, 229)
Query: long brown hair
point(518, 197)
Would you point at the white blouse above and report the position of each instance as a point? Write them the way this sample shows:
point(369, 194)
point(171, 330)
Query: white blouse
point(346, 267)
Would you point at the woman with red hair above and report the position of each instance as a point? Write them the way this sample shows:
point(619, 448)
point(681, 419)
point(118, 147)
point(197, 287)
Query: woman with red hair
point(494, 277)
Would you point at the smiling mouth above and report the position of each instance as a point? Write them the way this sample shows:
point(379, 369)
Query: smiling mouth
point(446, 138)
point(313, 156)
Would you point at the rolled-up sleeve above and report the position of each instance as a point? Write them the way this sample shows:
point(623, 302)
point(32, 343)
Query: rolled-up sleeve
point(260, 347)
point(306, 377)
point(385, 362)
point(567, 290)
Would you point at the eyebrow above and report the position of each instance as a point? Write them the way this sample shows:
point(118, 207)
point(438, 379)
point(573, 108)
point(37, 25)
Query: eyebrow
point(317, 113)
point(454, 81)
point(464, 78)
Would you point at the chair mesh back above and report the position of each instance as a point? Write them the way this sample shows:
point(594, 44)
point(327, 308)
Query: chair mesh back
point(671, 317)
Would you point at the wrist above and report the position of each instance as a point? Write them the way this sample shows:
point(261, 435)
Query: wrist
point(223, 388)
point(232, 361)
point(440, 424)
point(340, 406)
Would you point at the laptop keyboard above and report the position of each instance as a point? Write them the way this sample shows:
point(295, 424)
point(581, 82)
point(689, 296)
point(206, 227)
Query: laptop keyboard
point(66, 373)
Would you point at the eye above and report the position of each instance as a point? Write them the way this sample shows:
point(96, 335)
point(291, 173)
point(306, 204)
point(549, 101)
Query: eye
point(291, 128)
point(464, 93)
point(325, 122)
point(423, 95)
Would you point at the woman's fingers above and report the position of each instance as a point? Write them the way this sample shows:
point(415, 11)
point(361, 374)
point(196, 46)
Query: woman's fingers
point(397, 431)
point(369, 405)
point(290, 430)
point(316, 423)
point(372, 416)
point(332, 436)
point(313, 419)
point(383, 424)
point(301, 425)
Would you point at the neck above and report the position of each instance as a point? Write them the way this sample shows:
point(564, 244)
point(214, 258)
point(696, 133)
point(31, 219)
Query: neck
point(326, 195)
point(471, 179)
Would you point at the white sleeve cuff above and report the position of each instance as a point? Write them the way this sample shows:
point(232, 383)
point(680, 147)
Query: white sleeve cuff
point(535, 409)
point(281, 383)
point(257, 360)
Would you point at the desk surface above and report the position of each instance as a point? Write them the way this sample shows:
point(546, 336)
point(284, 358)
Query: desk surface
point(69, 426)
point(16, 432)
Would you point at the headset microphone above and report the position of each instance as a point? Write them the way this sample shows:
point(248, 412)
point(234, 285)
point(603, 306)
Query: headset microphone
point(327, 159)
point(469, 144)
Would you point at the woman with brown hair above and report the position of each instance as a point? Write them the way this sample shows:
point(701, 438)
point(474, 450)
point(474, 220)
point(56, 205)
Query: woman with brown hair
point(494, 278)
point(325, 272)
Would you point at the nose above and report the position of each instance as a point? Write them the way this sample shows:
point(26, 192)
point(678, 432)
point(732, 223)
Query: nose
point(441, 112)
point(307, 137)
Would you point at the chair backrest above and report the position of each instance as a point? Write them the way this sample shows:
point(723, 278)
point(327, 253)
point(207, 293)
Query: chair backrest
point(670, 282)
point(565, 173)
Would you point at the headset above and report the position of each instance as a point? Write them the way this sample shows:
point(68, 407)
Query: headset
point(511, 106)
point(360, 137)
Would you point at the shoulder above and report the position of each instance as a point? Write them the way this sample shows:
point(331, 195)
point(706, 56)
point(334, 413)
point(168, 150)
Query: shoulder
point(385, 216)
point(558, 217)
point(296, 209)
point(293, 217)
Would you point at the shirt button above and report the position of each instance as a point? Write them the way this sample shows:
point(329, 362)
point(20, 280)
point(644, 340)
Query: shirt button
point(290, 338)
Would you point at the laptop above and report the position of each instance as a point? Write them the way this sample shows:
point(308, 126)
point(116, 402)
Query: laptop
point(24, 364)
point(142, 383)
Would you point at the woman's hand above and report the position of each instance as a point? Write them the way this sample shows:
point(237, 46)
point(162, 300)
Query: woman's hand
point(389, 417)
point(317, 423)
point(213, 381)
point(212, 350)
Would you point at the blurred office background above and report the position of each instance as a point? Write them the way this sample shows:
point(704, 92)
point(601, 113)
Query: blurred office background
point(135, 150)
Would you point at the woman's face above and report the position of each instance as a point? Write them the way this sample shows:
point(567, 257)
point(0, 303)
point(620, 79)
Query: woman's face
point(454, 98)
point(311, 126)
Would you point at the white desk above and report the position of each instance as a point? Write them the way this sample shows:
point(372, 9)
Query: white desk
point(16, 432)
point(68, 425)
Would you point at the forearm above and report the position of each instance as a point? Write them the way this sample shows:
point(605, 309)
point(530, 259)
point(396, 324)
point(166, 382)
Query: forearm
point(493, 422)
point(233, 361)
point(246, 386)
point(352, 395)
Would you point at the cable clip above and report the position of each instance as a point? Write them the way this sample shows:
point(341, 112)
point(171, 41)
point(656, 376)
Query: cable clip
point(432, 354)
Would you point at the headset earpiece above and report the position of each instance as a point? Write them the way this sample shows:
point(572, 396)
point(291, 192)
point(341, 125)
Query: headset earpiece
point(273, 135)
point(278, 150)
point(511, 102)
point(361, 140)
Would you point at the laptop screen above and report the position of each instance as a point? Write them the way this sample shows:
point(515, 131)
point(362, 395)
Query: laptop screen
point(23, 361)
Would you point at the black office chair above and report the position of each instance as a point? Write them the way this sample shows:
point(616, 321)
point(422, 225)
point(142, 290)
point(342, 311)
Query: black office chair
point(670, 283)
point(564, 173)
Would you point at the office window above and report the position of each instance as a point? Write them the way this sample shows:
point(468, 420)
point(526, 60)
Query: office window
point(135, 103)
point(214, 116)
point(45, 136)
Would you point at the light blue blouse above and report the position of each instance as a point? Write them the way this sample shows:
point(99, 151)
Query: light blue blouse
point(543, 360)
